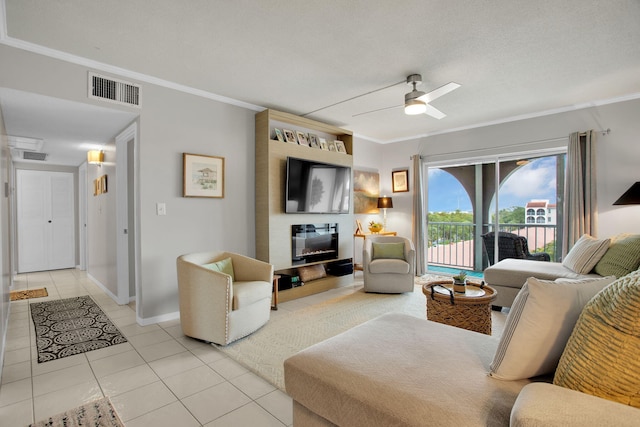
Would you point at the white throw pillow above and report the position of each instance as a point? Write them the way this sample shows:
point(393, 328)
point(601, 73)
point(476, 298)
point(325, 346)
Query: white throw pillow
point(585, 254)
point(539, 325)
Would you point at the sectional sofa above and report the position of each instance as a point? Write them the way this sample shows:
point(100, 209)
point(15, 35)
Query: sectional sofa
point(588, 258)
point(557, 363)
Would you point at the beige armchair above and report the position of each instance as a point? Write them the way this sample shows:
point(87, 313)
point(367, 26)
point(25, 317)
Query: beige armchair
point(216, 308)
point(388, 268)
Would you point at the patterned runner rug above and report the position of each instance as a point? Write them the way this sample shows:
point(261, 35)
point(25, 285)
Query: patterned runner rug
point(28, 293)
point(71, 326)
point(99, 413)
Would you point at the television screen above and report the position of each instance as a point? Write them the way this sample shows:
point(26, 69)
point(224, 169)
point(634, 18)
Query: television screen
point(315, 187)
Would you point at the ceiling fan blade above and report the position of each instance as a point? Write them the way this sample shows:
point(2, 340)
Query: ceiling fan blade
point(379, 109)
point(437, 93)
point(434, 112)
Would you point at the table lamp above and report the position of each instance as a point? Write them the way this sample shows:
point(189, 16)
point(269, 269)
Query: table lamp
point(385, 202)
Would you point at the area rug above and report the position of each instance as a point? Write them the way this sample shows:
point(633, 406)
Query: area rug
point(28, 293)
point(99, 413)
point(265, 351)
point(71, 326)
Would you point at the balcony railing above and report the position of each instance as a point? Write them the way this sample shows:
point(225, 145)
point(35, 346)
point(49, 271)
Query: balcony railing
point(452, 244)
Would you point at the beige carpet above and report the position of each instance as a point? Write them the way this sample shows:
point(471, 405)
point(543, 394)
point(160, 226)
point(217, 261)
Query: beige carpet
point(99, 413)
point(264, 351)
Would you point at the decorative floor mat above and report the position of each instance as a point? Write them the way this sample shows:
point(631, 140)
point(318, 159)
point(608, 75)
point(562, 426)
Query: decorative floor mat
point(71, 326)
point(29, 293)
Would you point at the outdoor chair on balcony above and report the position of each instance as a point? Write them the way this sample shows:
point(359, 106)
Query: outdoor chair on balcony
point(510, 246)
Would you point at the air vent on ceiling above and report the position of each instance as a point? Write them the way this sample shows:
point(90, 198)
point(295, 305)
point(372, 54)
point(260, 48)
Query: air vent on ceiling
point(114, 90)
point(30, 155)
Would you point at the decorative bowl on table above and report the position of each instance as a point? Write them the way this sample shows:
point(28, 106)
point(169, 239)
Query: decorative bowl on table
point(375, 227)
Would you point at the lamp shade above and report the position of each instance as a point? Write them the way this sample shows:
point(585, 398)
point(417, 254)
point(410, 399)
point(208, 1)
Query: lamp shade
point(630, 197)
point(385, 202)
point(95, 157)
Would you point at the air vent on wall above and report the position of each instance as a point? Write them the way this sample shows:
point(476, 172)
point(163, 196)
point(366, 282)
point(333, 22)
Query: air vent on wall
point(113, 90)
point(30, 155)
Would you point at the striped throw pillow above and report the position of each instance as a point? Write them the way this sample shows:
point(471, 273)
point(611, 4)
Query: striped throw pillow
point(585, 254)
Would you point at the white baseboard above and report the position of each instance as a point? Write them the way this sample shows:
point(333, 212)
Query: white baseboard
point(158, 319)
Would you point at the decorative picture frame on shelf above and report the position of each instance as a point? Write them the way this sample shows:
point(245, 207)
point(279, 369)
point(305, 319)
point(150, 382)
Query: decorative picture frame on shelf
point(313, 141)
point(302, 138)
point(332, 146)
point(400, 181)
point(340, 148)
point(289, 136)
point(203, 176)
point(323, 144)
point(279, 135)
point(359, 229)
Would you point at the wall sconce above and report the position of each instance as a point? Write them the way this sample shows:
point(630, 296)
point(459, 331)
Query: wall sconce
point(95, 157)
point(384, 203)
point(631, 196)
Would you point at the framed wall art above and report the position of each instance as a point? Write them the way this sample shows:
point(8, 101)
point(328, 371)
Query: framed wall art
point(400, 181)
point(203, 176)
point(366, 189)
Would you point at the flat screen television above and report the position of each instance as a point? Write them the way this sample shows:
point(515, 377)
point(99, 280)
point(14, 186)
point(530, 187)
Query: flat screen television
point(316, 187)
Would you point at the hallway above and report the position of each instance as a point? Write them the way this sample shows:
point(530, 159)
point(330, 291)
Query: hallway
point(159, 377)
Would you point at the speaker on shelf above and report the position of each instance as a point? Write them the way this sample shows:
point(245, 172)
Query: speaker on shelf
point(340, 268)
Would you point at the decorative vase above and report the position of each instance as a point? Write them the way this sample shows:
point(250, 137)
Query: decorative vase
point(460, 287)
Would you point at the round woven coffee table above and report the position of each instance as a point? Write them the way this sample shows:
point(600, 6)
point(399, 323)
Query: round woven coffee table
point(471, 310)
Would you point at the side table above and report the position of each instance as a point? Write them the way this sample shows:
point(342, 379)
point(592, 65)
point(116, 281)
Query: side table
point(363, 236)
point(471, 310)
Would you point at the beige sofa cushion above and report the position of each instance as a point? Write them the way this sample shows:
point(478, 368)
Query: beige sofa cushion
point(539, 324)
point(602, 356)
point(398, 370)
point(515, 272)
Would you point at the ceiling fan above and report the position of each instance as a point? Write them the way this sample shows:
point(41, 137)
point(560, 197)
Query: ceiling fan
point(417, 101)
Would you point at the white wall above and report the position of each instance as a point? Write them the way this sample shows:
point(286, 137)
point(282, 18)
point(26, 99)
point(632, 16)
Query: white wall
point(170, 123)
point(101, 223)
point(617, 156)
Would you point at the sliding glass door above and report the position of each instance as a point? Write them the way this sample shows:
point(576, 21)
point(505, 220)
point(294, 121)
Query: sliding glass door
point(519, 194)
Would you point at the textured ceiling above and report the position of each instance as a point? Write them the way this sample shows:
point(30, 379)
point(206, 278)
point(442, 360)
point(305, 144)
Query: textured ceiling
point(513, 58)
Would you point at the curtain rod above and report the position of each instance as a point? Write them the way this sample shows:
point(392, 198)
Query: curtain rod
point(605, 132)
point(602, 132)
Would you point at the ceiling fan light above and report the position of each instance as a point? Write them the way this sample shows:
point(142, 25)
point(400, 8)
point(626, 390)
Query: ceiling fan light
point(414, 107)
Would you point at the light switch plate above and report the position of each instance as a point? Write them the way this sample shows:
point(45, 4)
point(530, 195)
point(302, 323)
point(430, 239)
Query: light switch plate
point(161, 208)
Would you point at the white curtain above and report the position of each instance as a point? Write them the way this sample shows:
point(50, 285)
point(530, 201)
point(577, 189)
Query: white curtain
point(580, 207)
point(418, 229)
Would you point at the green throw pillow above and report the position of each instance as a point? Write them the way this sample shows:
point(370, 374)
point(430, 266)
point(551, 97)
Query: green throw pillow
point(388, 250)
point(622, 257)
point(223, 266)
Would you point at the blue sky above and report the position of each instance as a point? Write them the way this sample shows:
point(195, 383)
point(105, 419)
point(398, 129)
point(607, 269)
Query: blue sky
point(536, 180)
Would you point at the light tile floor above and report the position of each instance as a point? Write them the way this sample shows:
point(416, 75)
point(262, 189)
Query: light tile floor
point(159, 377)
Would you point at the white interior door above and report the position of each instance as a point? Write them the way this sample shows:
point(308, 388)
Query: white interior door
point(45, 207)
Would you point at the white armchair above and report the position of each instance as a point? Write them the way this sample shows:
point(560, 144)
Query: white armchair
point(390, 270)
point(216, 308)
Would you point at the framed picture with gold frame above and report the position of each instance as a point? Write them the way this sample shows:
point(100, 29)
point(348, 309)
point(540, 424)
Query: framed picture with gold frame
point(203, 176)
